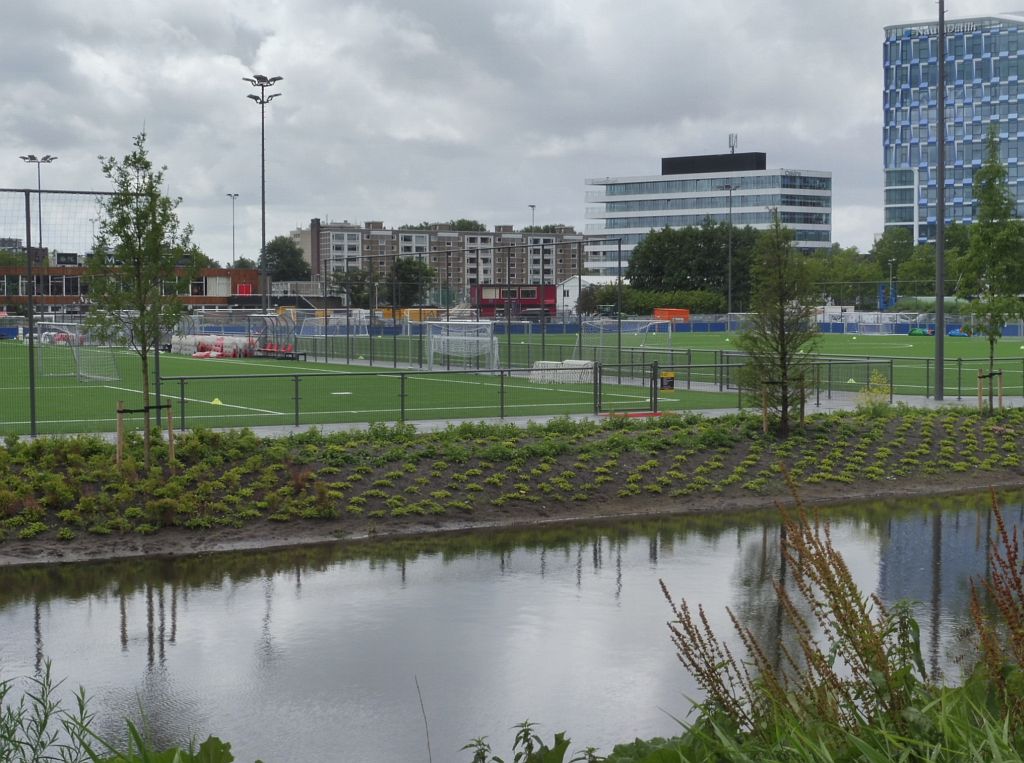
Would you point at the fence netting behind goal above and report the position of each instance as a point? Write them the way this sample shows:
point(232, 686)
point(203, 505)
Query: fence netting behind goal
point(462, 344)
point(69, 350)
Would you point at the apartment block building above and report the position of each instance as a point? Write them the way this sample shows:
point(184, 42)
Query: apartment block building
point(460, 259)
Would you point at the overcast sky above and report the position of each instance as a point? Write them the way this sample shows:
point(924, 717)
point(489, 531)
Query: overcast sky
point(412, 110)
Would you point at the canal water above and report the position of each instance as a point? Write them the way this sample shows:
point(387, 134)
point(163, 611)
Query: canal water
point(326, 653)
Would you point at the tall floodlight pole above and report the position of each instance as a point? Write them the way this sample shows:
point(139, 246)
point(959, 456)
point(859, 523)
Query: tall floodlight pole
point(533, 210)
point(263, 82)
point(940, 211)
point(891, 300)
point(730, 187)
point(38, 161)
point(232, 196)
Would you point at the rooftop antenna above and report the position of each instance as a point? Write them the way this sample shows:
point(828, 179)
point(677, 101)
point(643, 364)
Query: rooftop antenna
point(734, 139)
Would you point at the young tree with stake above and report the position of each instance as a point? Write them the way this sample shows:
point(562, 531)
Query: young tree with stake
point(134, 278)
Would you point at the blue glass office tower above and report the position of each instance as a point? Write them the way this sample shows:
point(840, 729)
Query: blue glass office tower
point(984, 62)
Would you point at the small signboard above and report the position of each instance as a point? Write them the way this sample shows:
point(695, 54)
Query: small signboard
point(667, 380)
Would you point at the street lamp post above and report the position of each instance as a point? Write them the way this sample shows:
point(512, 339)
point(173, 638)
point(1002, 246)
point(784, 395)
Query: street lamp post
point(533, 210)
point(730, 187)
point(263, 82)
point(232, 196)
point(891, 261)
point(38, 161)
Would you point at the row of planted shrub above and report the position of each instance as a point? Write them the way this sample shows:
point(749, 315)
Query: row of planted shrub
point(70, 486)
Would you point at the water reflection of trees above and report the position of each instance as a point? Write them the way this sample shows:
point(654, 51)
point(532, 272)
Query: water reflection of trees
point(587, 547)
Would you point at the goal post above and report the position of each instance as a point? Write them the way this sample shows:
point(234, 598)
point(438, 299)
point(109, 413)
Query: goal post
point(68, 349)
point(462, 344)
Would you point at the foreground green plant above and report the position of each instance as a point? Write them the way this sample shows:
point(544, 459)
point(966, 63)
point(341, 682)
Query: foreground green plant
point(38, 727)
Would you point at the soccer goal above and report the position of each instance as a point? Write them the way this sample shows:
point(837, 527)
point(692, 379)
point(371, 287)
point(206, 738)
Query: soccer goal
point(67, 349)
point(462, 344)
point(338, 324)
point(642, 327)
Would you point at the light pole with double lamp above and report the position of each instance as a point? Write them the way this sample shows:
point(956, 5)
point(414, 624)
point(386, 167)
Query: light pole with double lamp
point(263, 82)
point(39, 162)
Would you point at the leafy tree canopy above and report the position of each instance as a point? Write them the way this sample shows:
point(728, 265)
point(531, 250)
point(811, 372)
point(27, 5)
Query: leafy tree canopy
point(992, 270)
point(894, 244)
point(780, 331)
point(694, 259)
point(244, 263)
point(133, 279)
point(409, 280)
point(284, 260)
point(462, 224)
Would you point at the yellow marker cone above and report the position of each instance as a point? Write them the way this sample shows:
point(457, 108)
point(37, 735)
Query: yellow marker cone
point(851, 381)
point(216, 401)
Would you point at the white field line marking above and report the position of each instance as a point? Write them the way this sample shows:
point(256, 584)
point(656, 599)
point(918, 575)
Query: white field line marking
point(531, 387)
point(207, 402)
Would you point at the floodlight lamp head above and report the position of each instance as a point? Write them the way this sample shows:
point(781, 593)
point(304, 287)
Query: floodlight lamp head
point(28, 157)
point(255, 98)
point(47, 159)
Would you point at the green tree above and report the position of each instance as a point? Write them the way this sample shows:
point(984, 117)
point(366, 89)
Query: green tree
point(845, 276)
point(409, 280)
point(462, 224)
point(12, 259)
point(993, 270)
point(780, 333)
point(133, 279)
point(694, 259)
point(895, 243)
point(284, 260)
point(355, 284)
point(244, 263)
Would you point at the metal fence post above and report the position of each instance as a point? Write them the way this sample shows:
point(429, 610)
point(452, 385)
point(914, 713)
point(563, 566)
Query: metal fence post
point(401, 398)
point(296, 378)
point(959, 375)
point(597, 387)
point(927, 376)
point(501, 393)
point(655, 381)
point(181, 402)
point(892, 379)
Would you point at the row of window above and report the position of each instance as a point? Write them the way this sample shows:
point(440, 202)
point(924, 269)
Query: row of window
point(739, 219)
point(976, 71)
point(966, 132)
point(707, 185)
point(718, 202)
point(957, 95)
point(992, 40)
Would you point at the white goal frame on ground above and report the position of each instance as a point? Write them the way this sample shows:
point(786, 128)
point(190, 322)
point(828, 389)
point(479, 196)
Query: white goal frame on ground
point(356, 324)
point(467, 344)
point(563, 371)
point(644, 327)
point(68, 349)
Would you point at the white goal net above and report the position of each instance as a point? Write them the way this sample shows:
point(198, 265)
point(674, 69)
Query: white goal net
point(563, 371)
point(462, 344)
point(645, 328)
point(67, 349)
point(356, 323)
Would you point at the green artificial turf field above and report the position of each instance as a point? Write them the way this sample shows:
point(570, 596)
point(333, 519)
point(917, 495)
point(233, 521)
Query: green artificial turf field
point(229, 392)
point(257, 392)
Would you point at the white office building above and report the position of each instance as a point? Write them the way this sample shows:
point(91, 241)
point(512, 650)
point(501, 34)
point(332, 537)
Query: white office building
point(691, 189)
